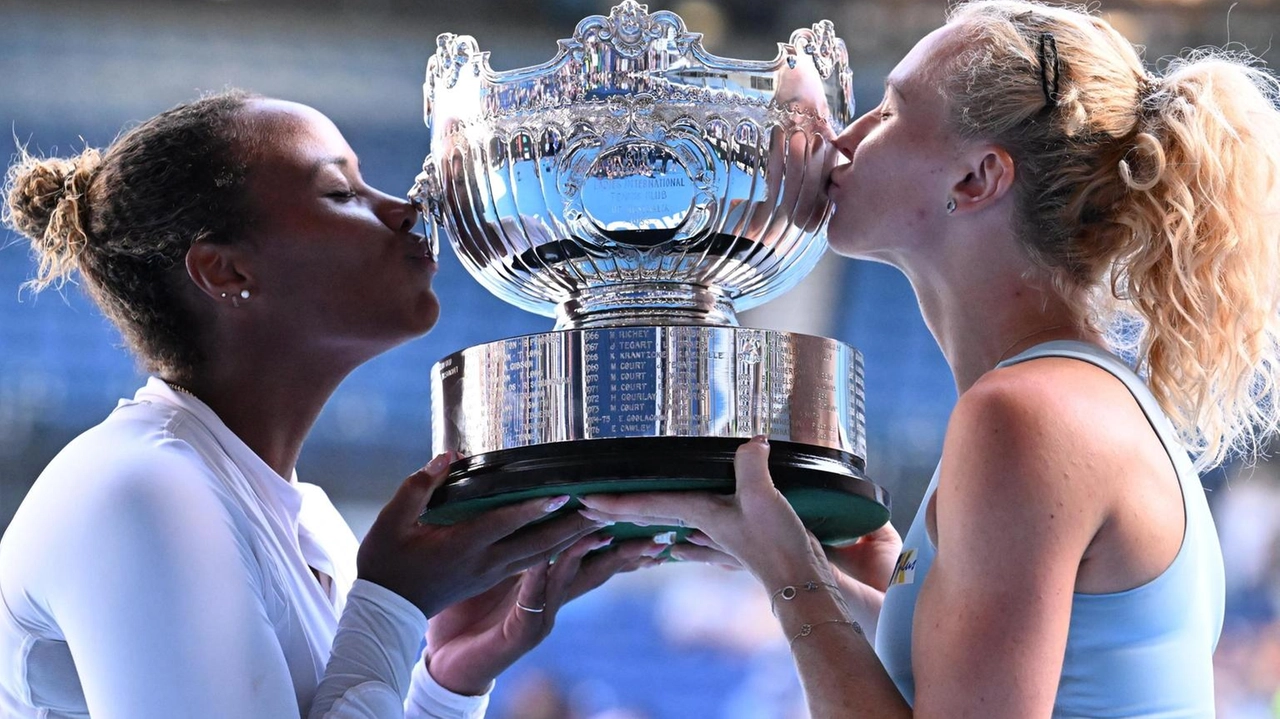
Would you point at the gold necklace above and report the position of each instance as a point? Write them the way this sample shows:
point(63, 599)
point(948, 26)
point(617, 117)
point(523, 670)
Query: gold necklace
point(1005, 354)
point(180, 389)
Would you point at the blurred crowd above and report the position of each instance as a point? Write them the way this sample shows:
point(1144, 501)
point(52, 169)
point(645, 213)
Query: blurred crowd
point(1247, 512)
point(679, 640)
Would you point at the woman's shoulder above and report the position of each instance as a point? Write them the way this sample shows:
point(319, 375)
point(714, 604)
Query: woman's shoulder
point(1051, 426)
point(136, 460)
point(126, 493)
point(1054, 398)
point(1032, 453)
point(138, 439)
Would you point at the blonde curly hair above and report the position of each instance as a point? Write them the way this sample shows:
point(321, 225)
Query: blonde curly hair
point(1153, 202)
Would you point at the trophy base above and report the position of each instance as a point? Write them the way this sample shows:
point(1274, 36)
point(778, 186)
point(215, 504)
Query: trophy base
point(826, 487)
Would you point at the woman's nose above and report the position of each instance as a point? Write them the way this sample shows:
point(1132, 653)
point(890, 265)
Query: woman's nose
point(848, 140)
point(845, 142)
point(398, 213)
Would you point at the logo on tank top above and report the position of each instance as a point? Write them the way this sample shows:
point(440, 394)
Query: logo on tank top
point(904, 572)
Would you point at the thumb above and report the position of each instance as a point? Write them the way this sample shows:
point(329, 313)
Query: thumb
point(411, 498)
point(751, 467)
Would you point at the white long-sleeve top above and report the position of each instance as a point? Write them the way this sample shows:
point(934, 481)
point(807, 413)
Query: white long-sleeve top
point(159, 568)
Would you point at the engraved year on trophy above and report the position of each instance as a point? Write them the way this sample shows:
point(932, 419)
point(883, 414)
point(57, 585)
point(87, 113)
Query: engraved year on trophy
point(642, 191)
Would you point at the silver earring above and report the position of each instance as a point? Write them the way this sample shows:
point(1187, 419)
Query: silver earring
point(224, 295)
point(244, 294)
point(951, 205)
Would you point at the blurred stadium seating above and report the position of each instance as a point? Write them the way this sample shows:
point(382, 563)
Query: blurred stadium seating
point(75, 73)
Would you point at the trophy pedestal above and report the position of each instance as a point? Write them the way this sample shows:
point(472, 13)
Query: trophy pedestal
point(654, 408)
point(826, 488)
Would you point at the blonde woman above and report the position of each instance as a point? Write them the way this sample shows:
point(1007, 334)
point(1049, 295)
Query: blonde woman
point(1049, 199)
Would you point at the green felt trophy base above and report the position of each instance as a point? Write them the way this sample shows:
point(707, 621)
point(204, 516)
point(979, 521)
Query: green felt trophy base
point(827, 488)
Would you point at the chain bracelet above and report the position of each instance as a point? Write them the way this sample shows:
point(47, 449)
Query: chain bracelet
point(807, 629)
point(790, 592)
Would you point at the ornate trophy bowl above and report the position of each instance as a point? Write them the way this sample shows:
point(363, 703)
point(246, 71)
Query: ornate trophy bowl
point(642, 191)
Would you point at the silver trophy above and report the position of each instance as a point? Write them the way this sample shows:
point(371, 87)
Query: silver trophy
point(642, 192)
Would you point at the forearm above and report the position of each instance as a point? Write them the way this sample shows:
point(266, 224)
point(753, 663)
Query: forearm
point(377, 643)
point(864, 604)
point(839, 670)
point(428, 700)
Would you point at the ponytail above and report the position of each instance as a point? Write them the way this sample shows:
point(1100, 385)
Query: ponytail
point(1152, 203)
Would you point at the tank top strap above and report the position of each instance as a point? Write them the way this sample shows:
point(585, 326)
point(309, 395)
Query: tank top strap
point(1117, 367)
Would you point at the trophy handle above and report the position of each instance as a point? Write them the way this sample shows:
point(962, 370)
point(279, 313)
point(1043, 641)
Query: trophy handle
point(428, 195)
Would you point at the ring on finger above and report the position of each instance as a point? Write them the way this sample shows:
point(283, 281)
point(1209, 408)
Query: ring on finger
point(531, 610)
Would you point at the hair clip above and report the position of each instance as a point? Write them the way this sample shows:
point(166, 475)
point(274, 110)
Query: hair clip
point(1050, 68)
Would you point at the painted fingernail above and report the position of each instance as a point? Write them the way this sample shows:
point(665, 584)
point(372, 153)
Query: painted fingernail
point(599, 520)
point(438, 463)
point(602, 543)
point(556, 503)
point(665, 538)
point(653, 550)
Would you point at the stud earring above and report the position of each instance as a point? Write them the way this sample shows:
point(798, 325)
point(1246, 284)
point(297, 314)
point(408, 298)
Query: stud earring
point(951, 205)
point(244, 294)
point(224, 295)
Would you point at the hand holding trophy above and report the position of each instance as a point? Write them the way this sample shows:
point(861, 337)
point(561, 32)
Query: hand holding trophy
point(643, 191)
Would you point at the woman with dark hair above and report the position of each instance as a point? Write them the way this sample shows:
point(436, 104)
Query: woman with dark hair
point(1052, 203)
point(168, 562)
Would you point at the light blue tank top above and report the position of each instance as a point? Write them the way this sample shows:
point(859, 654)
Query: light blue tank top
point(1145, 652)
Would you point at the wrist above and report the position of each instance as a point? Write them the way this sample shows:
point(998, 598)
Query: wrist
point(804, 606)
point(790, 592)
point(470, 684)
point(808, 628)
point(776, 572)
point(387, 583)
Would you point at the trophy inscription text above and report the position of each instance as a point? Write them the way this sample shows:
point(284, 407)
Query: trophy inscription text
point(637, 186)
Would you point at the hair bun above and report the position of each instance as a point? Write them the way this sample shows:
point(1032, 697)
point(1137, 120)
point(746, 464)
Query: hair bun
point(45, 199)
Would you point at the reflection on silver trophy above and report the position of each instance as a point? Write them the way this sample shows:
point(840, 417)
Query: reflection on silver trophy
point(643, 191)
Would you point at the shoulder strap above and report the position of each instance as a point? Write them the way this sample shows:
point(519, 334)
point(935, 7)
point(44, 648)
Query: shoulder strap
point(1112, 364)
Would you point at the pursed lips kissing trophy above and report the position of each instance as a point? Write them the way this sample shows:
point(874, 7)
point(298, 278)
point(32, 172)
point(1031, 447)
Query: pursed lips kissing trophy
point(642, 191)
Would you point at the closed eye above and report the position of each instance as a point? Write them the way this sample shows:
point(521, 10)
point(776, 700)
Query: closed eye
point(883, 110)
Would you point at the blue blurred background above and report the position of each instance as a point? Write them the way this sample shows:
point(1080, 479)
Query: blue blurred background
point(676, 641)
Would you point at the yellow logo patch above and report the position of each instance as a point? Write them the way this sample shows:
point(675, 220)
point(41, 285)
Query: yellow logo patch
point(904, 572)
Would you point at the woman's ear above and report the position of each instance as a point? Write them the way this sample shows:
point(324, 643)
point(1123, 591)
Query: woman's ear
point(988, 179)
point(218, 270)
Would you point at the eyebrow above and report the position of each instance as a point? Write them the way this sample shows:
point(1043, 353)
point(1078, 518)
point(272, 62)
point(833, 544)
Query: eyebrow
point(891, 86)
point(336, 160)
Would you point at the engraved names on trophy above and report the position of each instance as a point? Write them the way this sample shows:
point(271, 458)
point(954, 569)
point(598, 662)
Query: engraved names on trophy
point(857, 407)
point(686, 381)
point(619, 400)
point(694, 357)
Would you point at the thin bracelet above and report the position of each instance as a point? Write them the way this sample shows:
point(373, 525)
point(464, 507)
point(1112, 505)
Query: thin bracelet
point(789, 592)
point(807, 629)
